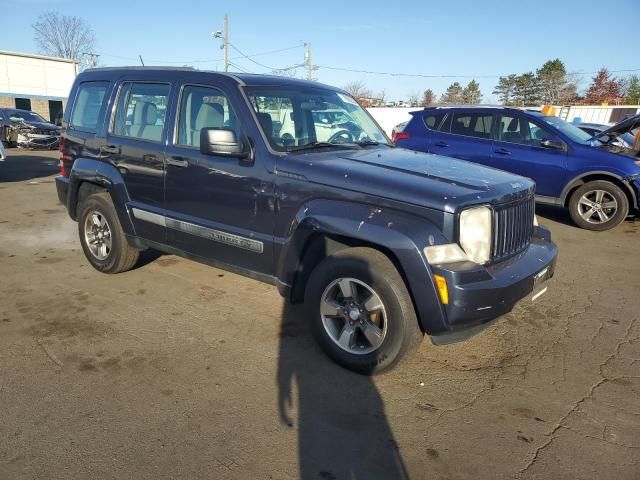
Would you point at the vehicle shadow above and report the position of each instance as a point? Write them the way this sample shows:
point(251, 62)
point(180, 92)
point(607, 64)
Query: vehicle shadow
point(339, 415)
point(555, 214)
point(561, 215)
point(22, 165)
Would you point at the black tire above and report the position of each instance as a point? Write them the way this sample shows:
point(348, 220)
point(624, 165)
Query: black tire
point(121, 256)
point(595, 222)
point(402, 333)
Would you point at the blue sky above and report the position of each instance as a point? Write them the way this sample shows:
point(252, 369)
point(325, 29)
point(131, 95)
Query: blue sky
point(466, 38)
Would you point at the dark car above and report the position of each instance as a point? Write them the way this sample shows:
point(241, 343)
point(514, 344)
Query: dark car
point(624, 140)
point(381, 244)
point(28, 129)
point(598, 181)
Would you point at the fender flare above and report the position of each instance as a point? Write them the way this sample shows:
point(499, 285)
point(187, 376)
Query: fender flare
point(400, 234)
point(576, 181)
point(103, 175)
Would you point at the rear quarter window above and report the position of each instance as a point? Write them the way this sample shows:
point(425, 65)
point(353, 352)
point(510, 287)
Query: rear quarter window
point(89, 106)
point(433, 121)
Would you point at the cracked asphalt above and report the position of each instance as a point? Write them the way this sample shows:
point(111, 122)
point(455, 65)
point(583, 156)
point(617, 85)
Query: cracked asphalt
point(178, 370)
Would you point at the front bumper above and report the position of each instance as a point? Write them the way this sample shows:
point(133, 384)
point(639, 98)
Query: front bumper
point(479, 294)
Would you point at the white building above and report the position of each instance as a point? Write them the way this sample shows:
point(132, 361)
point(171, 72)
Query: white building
point(34, 82)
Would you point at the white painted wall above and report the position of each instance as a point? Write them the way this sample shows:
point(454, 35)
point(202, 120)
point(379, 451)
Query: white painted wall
point(24, 75)
point(388, 118)
point(594, 114)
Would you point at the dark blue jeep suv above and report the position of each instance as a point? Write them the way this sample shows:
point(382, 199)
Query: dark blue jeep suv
point(597, 180)
point(245, 172)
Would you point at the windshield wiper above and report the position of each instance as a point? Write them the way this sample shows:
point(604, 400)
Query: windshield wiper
point(313, 145)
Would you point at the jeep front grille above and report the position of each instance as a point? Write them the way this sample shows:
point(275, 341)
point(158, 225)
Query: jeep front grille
point(512, 228)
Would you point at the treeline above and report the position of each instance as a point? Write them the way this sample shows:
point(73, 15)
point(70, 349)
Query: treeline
point(550, 84)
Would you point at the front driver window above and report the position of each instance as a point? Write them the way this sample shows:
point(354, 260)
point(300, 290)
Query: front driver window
point(203, 107)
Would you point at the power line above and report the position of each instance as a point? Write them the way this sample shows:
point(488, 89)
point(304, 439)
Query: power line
point(273, 69)
point(238, 67)
point(215, 60)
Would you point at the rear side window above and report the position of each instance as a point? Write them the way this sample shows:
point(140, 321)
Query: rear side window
point(203, 107)
point(141, 110)
point(433, 121)
point(88, 106)
point(476, 125)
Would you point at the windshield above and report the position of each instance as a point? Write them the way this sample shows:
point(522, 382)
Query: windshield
point(17, 115)
point(570, 130)
point(301, 117)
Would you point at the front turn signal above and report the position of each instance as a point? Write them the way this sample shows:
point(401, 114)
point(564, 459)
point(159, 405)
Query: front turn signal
point(443, 291)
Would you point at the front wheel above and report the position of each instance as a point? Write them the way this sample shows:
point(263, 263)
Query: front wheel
point(598, 205)
point(360, 311)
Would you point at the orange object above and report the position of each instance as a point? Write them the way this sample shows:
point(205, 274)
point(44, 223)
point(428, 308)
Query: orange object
point(443, 290)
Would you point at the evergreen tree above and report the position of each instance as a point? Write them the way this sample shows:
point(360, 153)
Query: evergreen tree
point(633, 90)
point(505, 89)
point(527, 90)
point(428, 98)
point(453, 94)
point(471, 95)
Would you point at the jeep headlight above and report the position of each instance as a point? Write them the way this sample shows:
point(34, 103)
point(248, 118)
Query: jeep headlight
point(475, 233)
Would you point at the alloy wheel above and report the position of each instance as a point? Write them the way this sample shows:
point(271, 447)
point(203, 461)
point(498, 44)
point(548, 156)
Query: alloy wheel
point(97, 235)
point(353, 316)
point(597, 206)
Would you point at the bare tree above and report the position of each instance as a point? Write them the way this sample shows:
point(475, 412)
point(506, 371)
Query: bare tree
point(358, 89)
point(360, 92)
point(414, 99)
point(63, 36)
point(382, 97)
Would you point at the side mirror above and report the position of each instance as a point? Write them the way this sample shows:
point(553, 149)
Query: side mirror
point(553, 144)
point(221, 141)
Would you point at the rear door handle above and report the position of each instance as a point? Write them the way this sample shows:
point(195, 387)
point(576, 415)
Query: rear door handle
point(114, 149)
point(441, 144)
point(178, 162)
point(502, 151)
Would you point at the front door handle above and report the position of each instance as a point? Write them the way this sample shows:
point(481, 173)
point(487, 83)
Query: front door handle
point(113, 149)
point(441, 144)
point(178, 162)
point(502, 151)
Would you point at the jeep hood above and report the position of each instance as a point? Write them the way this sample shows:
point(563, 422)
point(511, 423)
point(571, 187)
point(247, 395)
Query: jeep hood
point(428, 180)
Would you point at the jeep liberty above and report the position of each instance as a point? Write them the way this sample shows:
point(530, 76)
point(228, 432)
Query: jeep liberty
point(382, 244)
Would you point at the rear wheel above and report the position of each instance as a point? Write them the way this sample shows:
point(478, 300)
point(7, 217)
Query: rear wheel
point(598, 205)
point(103, 240)
point(360, 311)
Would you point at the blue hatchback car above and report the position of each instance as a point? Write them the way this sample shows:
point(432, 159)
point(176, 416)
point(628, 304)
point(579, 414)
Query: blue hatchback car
point(597, 180)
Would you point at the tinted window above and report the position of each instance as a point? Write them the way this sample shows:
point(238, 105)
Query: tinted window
point(87, 107)
point(141, 111)
point(433, 121)
point(203, 107)
point(472, 124)
point(535, 134)
point(515, 129)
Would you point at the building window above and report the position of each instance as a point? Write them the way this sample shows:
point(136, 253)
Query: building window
point(23, 103)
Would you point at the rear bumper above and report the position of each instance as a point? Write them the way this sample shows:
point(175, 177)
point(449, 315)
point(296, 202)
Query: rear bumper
point(478, 295)
point(62, 187)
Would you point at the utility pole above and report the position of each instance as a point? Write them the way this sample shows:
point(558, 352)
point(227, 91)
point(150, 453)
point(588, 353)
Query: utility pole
point(224, 35)
point(307, 61)
point(92, 61)
point(226, 42)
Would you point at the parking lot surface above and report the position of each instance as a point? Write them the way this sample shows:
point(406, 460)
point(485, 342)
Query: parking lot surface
point(179, 370)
